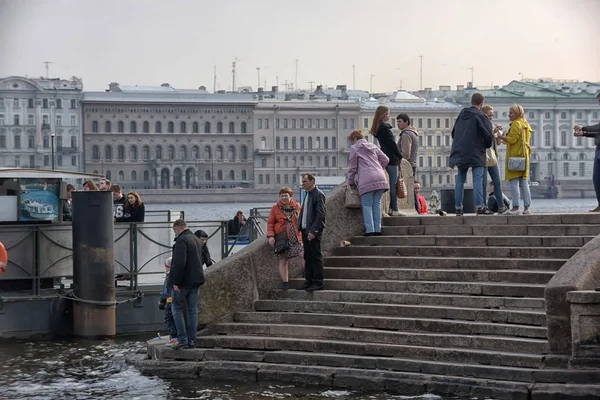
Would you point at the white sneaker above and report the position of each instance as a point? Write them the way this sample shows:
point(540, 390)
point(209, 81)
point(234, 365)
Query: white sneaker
point(516, 212)
point(527, 212)
point(397, 214)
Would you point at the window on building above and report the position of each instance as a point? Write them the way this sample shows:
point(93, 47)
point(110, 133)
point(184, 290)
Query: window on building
point(439, 162)
point(325, 121)
point(293, 123)
point(146, 176)
point(547, 139)
point(45, 103)
point(333, 142)
point(133, 127)
point(158, 153)
point(58, 103)
point(133, 153)
point(547, 115)
point(266, 123)
point(158, 127)
point(207, 127)
point(59, 160)
point(345, 123)
point(579, 115)
point(430, 161)
point(46, 141)
point(16, 119)
point(73, 142)
point(17, 141)
point(285, 143)
point(59, 142)
point(45, 120)
point(171, 127)
point(171, 152)
point(310, 143)
point(219, 127)
point(310, 123)
point(17, 161)
point(73, 120)
point(581, 169)
point(447, 123)
point(231, 127)
point(565, 169)
point(268, 179)
point(2, 142)
point(563, 115)
point(121, 152)
point(94, 126)
point(46, 161)
point(195, 127)
point(318, 121)
point(59, 120)
point(121, 127)
point(421, 161)
point(302, 143)
point(1, 119)
point(260, 125)
point(277, 123)
point(429, 141)
point(278, 179)
point(31, 142)
point(146, 127)
point(438, 123)
point(244, 153)
point(531, 115)
point(30, 103)
point(260, 179)
point(73, 104)
point(73, 161)
point(428, 123)
point(325, 142)
point(420, 140)
point(277, 142)
point(447, 140)
point(146, 152)
point(16, 103)
point(579, 141)
point(438, 140)
point(420, 122)
point(351, 124)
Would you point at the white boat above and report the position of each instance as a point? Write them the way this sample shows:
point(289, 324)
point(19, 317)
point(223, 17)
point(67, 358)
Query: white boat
point(40, 211)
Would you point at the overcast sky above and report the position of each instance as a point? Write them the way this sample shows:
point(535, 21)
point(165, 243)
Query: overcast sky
point(148, 42)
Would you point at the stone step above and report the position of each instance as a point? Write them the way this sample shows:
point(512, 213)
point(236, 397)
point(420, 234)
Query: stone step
point(453, 251)
point(472, 288)
point(519, 317)
point(440, 275)
point(473, 241)
point(421, 299)
point(423, 262)
point(490, 230)
point(489, 342)
point(392, 323)
point(496, 220)
point(362, 348)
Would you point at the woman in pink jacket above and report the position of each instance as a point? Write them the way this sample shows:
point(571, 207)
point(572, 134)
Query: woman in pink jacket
point(366, 169)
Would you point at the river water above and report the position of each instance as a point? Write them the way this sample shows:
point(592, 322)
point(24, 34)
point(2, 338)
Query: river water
point(96, 369)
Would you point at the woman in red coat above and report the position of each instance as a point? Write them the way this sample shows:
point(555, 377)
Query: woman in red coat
point(421, 202)
point(284, 217)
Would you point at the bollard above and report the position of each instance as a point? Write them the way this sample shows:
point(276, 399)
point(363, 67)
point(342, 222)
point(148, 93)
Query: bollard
point(94, 311)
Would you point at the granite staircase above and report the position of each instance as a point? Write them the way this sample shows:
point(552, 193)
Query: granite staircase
point(448, 305)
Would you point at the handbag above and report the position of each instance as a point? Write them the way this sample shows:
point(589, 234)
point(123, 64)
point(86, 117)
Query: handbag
point(352, 197)
point(490, 157)
point(518, 164)
point(282, 242)
point(401, 191)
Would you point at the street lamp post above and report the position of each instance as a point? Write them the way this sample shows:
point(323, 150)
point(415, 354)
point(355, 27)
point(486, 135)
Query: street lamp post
point(52, 145)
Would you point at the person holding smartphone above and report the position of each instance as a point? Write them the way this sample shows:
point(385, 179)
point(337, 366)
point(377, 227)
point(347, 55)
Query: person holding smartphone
point(593, 131)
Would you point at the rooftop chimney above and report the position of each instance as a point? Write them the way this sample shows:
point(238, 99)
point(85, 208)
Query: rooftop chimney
point(319, 88)
point(114, 87)
point(220, 92)
point(275, 89)
point(328, 97)
point(202, 88)
point(165, 85)
point(311, 97)
point(260, 90)
point(288, 97)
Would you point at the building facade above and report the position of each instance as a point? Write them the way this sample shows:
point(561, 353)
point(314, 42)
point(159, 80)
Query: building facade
point(40, 123)
point(161, 137)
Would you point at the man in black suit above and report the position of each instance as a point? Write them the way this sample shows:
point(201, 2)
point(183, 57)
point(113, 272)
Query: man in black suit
point(312, 224)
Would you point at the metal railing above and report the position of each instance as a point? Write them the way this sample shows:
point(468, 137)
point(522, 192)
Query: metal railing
point(41, 256)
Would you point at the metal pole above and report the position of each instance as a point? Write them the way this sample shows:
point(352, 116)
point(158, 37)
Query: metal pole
point(52, 145)
point(421, 79)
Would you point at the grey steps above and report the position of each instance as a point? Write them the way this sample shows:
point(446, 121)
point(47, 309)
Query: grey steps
point(473, 241)
point(393, 323)
point(496, 220)
point(446, 275)
point(421, 299)
point(522, 317)
point(453, 251)
point(423, 262)
point(498, 230)
point(472, 288)
point(360, 347)
point(489, 342)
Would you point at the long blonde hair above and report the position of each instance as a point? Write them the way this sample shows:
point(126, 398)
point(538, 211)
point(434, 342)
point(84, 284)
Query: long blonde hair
point(518, 110)
point(379, 113)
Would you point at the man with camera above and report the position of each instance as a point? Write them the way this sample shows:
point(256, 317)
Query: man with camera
point(593, 131)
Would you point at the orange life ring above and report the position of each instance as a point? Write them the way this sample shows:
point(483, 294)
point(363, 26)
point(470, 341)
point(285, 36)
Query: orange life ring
point(3, 258)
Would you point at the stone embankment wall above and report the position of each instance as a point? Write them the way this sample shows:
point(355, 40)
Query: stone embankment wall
point(252, 273)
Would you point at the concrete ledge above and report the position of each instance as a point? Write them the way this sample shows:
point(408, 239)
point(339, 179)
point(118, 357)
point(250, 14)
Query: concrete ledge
point(580, 272)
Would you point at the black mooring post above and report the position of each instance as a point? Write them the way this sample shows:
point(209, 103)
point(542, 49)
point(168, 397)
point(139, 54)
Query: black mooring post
point(94, 311)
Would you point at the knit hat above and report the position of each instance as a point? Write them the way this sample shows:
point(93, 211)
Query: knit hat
point(201, 234)
point(168, 262)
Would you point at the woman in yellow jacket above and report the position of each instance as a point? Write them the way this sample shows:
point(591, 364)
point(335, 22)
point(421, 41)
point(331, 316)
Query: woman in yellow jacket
point(518, 139)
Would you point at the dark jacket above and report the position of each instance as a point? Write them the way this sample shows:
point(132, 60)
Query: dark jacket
point(472, 134)
point(167, 288)
point(314, 206)
point(385, 137)
point(593, 131)
point(119, 209)
point(67, 211)
point(136, 214)
point(186, 265)
point(492, 203)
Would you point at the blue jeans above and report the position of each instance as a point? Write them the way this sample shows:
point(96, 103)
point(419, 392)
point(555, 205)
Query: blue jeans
point(495, 175)
point(459, 186)
point(596, 175)
point(514, 189)
point(371, 208)
point(186, 335)
point(392, 171)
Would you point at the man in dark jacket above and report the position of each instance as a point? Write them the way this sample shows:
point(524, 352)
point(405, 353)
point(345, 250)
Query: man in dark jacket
point(187, 276)
point(311, 224)
point(472, 134)
point(593, 131)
